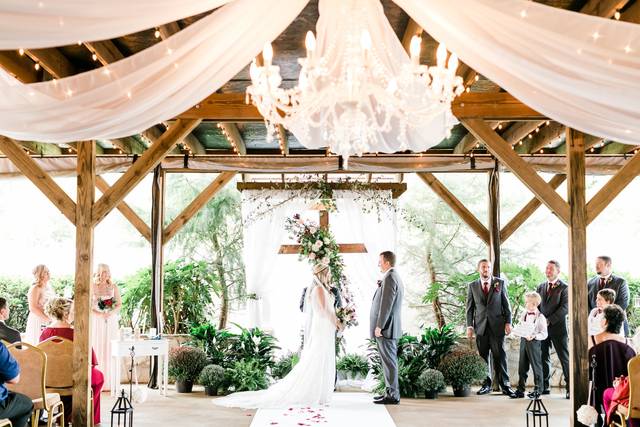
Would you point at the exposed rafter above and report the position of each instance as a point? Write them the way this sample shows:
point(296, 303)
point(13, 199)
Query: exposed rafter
point(106, 51)
point(53, 61)
point(18, 66)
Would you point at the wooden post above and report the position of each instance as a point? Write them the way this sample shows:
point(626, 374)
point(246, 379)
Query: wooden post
point(494, 219)
point(157, 259)
point(82, 293)
point(578, 311)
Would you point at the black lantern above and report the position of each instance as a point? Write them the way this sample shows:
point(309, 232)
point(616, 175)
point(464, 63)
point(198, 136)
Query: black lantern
point(537, 411)
point(123, 409)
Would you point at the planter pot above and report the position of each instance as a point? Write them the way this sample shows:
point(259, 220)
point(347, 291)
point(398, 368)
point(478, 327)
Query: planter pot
point(211, 391)
point(431, 394)
point(463, 391)
point(184, 386)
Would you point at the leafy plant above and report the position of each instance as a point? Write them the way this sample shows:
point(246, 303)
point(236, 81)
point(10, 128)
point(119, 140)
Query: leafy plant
point(284, 365)
point(431, 380)
point(520, 280)
point(15, 292)
point(353, 364)
point(462, 367)
point(246, 375)
point(254, 344)
point(437, 342)
point(216, 343)
point(186, 363)
point(212, 376)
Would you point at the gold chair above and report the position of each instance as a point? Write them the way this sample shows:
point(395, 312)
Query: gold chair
point(59, 353)
point(5, 423)
point(33, 371)
point(623, 413)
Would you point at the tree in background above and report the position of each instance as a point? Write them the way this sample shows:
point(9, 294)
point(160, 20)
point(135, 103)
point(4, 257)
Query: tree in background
point(213, 235)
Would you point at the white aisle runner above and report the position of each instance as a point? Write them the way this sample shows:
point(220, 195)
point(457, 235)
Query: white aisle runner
point(346, 409)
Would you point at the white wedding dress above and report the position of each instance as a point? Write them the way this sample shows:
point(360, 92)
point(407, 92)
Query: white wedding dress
point(311, 381)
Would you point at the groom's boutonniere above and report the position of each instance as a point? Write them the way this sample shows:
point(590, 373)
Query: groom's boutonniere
point(379, 283)
point(496, 286)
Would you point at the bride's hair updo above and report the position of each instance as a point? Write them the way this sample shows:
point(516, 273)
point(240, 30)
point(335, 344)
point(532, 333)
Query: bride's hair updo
point(58, 308)
point(323, 273)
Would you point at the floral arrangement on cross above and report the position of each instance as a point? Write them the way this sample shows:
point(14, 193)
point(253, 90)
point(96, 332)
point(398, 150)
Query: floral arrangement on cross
point(318, 246)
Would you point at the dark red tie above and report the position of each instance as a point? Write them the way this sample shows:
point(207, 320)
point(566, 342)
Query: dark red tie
point(485, 288)
point(603, 282)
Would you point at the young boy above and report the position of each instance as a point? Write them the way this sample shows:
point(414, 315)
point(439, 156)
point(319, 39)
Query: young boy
point(530, 346)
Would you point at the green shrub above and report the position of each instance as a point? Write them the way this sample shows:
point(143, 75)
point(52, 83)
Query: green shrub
point(246, 375)
point(14, 290)
point(284, 365)
point(254, 344)
point(431, 380)
point(353, 364)
point(212, 376)
point(437, 343)
point(217, 344)
point(186, 363)
point(463, 367)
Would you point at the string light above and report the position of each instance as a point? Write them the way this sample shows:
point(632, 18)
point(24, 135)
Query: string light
point(523, 14)
point(94, 57)
point(476, 78)
point(500, 126)
point(229, 139)
point(592, 149)
point(547, 123)
point(79, 43)
point(157, 33)
point(468, 89)
point(520, 143)
point(21, 52)
point(537, 130)
point(530, 136)
point(617, 15)
point(37, 66)
point(595, 36)
point(541, 151)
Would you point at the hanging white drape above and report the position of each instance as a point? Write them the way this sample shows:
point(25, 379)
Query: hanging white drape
point(580, 70)
point(149, 87)
point(30, 24)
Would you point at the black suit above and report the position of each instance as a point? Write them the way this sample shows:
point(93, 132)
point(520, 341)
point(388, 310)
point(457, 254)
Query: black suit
point(555, 307)
point(8, 334)
point(616, 283)
point(488, 314)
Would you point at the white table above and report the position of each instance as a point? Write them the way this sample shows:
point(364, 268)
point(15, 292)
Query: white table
point(122, 349)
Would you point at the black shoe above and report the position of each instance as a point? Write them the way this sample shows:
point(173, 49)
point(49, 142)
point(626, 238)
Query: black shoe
point(567, 396)
point(485, 389)
point(507, 391)
point(533, 395)
point(387, 401)
point(546, 392)
point(379, 397)
point(517, 394)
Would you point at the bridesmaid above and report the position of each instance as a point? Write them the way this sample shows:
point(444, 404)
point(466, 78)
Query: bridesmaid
point(39, 294)
point(106, 306)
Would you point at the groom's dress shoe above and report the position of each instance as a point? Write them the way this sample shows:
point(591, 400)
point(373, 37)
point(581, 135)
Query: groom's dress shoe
point(386, 401)
point(379, 397)
point(485, 389)
point(507, 391)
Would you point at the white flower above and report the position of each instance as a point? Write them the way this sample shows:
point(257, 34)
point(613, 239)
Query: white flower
point(325, 260)
point(326, 241)
point(318, 243)
point(313, 230)
point(312, 255)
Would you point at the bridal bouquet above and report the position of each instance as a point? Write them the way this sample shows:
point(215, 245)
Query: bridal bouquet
point(106, 304)
point(347, 315)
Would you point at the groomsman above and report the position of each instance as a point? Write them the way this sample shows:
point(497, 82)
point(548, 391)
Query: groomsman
point(489, 316)
point(555, 307)
point(605, 279)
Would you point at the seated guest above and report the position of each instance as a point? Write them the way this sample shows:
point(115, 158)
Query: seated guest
point(14, 406)
point(611, 353)
point(7, 333)
point(604, 298)
point(61, 311)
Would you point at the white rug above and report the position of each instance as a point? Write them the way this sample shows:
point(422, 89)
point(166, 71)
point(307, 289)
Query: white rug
point(346, 409)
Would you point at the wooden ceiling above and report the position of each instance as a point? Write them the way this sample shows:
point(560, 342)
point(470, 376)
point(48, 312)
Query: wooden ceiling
point(249, 136)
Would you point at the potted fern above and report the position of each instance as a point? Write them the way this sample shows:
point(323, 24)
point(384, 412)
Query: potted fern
point(212, 377)
point(352, 367)
point(431, 381)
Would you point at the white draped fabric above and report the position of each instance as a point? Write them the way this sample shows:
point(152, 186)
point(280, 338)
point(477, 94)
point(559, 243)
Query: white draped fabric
point(580, 70)
point(278, 280)
point(30, 24)
point(149, 87)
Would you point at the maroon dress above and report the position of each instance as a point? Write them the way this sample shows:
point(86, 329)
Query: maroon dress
point(97, 379)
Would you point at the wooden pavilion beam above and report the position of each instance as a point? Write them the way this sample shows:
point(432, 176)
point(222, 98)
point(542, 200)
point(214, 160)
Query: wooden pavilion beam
point(469, 141)
point(198, 203)
point(232, 132)
point(528, 210)
point(612, 188)
point(106, 51)
point(283, 140)
point(40, 178)
point(136, 173)
point(529, 177)
point(126, 210)
point(167, 30)
point(86, 170)
point(603, 8)
point(578, 310)
point(52, 60)
point(40, 148)
point(456, 205)
point(18, 66)
point(396, 188)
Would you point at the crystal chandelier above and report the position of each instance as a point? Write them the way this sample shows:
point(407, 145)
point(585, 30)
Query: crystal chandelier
point(353, 105)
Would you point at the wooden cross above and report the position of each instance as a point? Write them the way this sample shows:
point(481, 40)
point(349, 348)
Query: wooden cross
point(345, 248)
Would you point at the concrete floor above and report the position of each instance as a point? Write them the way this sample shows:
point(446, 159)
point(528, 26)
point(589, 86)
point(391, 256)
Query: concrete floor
point(494, 410)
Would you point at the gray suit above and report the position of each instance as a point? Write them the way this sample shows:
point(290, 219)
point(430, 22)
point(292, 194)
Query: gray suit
point(616, 283)
point(488, 316)
point(386, 310)
point(8, 334)
point(555, 307)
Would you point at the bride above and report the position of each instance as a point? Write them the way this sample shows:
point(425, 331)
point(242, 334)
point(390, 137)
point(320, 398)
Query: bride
point(311, 381)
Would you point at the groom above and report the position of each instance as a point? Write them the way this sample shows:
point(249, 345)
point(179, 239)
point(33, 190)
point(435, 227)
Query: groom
point(386, 327)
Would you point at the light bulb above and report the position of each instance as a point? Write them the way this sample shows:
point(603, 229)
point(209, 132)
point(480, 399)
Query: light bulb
point(157, 34)
point(414, 49)
point(441, 55)
point(94, 57)
point(310, 43)
point(365, 40)
point(267, 54)
point(617, 15)
point(37, 66)
point(21, 51)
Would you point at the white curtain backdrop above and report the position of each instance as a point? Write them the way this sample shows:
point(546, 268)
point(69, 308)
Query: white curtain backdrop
point(580, 70)
point(280, 279)
point(30, 24)
point(149, 87)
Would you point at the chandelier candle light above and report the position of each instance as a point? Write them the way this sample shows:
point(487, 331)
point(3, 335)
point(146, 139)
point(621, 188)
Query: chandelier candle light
point(355, 100)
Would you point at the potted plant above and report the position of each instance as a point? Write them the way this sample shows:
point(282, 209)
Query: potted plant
point(211, 377)
point(246, 375)
point(352, 366)
point(462, 367)
point(284, 365)
point(431, 381)
point(185, 365)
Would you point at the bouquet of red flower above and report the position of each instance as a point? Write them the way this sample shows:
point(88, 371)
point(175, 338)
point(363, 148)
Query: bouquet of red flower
point(106, 304)
point(347, 315)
